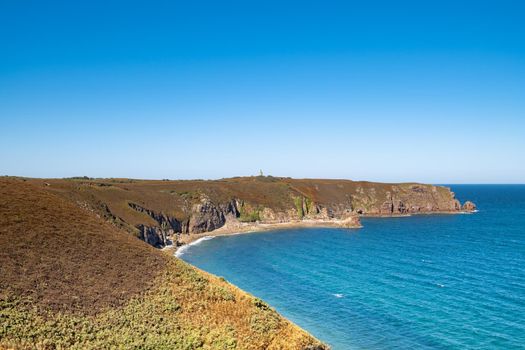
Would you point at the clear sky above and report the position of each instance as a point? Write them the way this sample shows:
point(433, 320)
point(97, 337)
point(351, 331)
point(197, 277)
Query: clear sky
point(430, 91)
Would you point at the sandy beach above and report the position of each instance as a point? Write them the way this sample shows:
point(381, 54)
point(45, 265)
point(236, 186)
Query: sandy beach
point(235, 228)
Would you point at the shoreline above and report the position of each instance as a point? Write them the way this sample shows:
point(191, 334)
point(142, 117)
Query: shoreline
point(386, 216)
point(236, 228)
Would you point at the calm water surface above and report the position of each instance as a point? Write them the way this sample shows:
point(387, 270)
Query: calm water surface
point(426, 282)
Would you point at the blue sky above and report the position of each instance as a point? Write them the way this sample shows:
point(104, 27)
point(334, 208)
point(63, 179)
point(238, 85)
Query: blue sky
point(430, 91)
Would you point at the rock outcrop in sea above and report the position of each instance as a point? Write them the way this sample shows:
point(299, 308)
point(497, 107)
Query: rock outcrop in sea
point(469, 206)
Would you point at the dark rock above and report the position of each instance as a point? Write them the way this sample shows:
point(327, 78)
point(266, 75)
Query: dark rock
point(154, 236)
point(204, 217)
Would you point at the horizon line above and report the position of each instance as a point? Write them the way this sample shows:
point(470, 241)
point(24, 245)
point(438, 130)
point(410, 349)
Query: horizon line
point(85, 177)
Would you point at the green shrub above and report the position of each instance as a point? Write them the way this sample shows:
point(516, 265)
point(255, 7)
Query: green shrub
point(299, 206)
point(247, 215)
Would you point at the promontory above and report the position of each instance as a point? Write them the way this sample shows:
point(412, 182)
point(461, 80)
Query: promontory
point(165, 212)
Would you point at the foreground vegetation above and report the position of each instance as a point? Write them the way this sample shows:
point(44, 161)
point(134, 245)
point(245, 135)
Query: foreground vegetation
point(187, 309)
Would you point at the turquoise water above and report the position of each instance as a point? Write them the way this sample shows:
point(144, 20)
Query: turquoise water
point(425, 282)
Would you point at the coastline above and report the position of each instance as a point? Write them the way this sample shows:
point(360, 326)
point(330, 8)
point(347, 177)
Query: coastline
point(419, 213)
point(236, 228)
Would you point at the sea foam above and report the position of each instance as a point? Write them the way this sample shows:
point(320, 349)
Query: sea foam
point(180, 251)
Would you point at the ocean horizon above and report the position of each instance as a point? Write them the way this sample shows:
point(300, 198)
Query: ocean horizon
point(424, 281)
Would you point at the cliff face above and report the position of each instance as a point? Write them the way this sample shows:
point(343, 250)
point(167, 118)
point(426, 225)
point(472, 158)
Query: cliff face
point(159, 212)
point(205, 217)
point(411, 199)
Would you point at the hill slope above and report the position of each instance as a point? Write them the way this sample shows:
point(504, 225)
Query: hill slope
point(69, 279)
point(162, 211)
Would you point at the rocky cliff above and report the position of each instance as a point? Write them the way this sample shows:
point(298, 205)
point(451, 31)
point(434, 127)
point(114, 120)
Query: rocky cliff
point(161, 212)
point(205, 216)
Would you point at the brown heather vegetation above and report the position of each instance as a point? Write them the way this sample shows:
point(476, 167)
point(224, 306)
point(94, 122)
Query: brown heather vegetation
point(169, 197)
point(71, 280)
point(63, 257)
point(175, 198)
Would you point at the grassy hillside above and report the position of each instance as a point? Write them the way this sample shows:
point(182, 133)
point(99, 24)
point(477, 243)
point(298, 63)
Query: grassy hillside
point(174, 198)
point(70, 279)
point(160, 212)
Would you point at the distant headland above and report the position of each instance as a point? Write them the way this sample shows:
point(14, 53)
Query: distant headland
point(172, 213)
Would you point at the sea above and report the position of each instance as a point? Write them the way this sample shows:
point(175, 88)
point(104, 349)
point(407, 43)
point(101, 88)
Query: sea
point(419, 282)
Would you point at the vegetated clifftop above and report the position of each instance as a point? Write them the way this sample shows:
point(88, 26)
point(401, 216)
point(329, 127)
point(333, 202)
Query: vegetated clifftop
point(164, 212)
point(69, 279)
